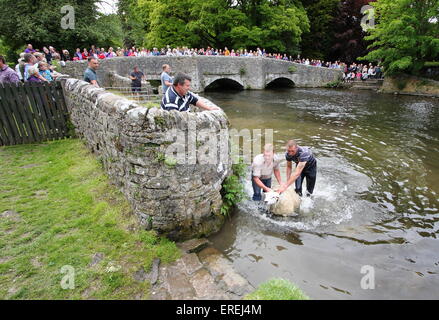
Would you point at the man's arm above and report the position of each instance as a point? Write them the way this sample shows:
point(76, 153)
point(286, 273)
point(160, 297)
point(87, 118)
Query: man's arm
point(42, 78)
point(94, 82)
point(289, 169)
point(14, 77)
point(293, 177)
point(260, 184)
point(202, 105)
point(277, 175)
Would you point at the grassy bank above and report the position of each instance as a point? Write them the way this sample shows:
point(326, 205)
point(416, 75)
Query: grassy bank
point(277, 289)
point(58, 209)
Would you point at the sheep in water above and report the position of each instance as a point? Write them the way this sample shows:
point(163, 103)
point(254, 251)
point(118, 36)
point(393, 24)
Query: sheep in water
point(284, 204)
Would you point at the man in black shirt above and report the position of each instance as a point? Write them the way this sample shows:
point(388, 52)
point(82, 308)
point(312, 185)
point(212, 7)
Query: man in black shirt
point(306, 167)
point(136, 78)
point(178, 97)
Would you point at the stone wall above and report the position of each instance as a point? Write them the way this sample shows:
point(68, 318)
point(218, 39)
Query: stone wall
point(411, 85)
point(248, 72)
point(180, 200)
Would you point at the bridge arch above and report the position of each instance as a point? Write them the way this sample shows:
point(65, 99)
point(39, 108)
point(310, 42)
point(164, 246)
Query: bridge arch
point(281, 82)
point(224, 83)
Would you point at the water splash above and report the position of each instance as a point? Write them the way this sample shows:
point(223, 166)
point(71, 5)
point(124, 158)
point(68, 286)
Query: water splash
point(336, 199)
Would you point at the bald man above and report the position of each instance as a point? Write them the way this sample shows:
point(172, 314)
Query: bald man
point(263, 167)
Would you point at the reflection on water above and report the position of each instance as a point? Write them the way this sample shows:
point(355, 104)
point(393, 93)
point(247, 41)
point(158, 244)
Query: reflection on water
point(376, 198)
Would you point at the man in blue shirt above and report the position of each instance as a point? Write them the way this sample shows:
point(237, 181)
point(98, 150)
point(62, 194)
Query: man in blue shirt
point(306, 167)
point(178, 97)
point(165, 77)
point(90, 73)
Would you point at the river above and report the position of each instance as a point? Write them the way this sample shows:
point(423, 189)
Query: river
point(375, 209)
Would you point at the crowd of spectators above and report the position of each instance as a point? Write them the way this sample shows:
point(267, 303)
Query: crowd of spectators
point(101, 53)
point(33, 66)
point(362, 72)
point(36, 65)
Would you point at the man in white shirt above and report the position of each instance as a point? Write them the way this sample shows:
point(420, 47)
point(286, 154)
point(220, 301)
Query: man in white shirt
point(263, 167)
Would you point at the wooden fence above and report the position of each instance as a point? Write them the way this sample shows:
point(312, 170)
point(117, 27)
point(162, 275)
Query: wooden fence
point(32, 112)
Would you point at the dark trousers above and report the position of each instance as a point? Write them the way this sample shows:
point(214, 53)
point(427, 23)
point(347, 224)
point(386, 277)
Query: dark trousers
point(310, 174)
point(257, 196)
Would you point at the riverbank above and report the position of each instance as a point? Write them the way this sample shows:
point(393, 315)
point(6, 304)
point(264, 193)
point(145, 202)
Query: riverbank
point(67, 233)
point(411, 85)
point(60, 217)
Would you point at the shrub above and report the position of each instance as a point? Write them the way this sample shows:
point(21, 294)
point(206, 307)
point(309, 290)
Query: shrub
point(232, 190)
point(277, 289)
point(292, 69)
point(335, 84)
point(400, 83)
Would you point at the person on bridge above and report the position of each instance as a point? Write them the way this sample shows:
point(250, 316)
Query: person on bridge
point(263, 166)
point(165, 77)
point(136, 80)
point(178, 97)
point(90, 73)
point(306, 167)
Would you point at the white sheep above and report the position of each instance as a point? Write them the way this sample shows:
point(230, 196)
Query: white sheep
point(285, 204)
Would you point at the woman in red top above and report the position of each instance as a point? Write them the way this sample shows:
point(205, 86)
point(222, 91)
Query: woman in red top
point(101, 54)
point(84, 54)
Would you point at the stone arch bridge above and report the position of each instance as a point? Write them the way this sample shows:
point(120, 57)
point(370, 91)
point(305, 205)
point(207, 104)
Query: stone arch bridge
point(215, 71)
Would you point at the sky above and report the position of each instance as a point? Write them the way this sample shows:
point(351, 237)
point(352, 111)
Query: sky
point(108, 6)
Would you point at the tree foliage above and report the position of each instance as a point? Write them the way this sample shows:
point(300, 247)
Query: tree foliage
point(406, 36)
point(39, 23)
point(274, 25)
point(348, 40)
point(132, 23)
point(318, 41)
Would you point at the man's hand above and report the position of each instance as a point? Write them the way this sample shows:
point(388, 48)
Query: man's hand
point(202, 105)
point(282, 188)
point(268, 189)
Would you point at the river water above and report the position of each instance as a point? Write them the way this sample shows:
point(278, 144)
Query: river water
point(375, 209)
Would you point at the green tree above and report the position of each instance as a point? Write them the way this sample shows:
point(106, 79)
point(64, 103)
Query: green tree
point(318, 41)
point(406, 35)
point(167, 23)
point(132, 24)
point(39, 23)
point(274, 25)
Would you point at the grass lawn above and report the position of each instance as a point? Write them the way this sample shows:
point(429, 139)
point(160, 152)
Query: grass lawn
point(57, 208)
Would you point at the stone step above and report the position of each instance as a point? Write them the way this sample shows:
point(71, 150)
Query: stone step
point(205, 286)
point(366, 84)
point(366, 87)
point(177, 282)
point(224, 274)
point(369, 80)
point(206, 275)
point(193, 245)
point(191, 263)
